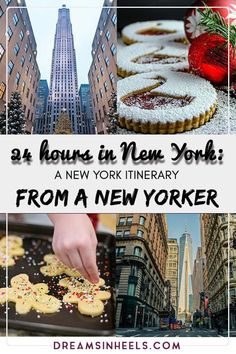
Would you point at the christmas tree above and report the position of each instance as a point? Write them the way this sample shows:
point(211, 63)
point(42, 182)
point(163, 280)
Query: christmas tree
point(16, 118)
point(63, 125)
point(3, 122)
point(112, 115)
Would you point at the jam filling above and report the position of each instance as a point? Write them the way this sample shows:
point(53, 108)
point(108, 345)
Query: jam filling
point(161, 59)
point(154, 32)
point(149, 100)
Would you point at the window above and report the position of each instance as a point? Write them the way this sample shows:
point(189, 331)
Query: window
point(101, 92)
point(9, 32)
point(99, 57)
point(105, 86)
point(126, 233)
point(21, 35)
point(119, 233)
point(142, 220)
point(22, 61)
point(2, 89)
point(2, 51)
point(134, 270)
point(1, 11)
point(122, 221)
point(112, 78)
point(26, 70)
point(113, 49)
point(107, 61)
point(16, 49)
point(102, 70)
point(98, 79)
point(7, 2)
point(114, 19)
point(23, 86)
point(129, 220)
point(138, 251)
point(10, 67)
point(27, 93)
point(15, 19)
point(139, 233)
point(17, 78)
point(120, 251)
point(108, 35)
point(131, 289)
point(26, 47)
point(103, 47)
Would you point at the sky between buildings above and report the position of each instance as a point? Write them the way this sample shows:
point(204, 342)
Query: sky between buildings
point(84, 17)
point(176, 227)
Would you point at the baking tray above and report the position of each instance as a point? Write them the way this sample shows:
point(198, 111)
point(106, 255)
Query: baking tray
point(67, 322)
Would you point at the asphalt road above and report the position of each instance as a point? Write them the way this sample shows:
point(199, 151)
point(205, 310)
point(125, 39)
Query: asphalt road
point(153, 332)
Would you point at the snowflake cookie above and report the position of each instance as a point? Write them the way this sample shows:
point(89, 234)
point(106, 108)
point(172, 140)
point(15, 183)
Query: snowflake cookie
point(154, 31)
point(55, 267)
point(165, 102)
point(88, 296)
point(10, 247)
point(29, 296)
point(145, 57)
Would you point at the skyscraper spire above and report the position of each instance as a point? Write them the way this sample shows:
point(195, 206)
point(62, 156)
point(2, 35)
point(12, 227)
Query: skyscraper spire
point(64, 95)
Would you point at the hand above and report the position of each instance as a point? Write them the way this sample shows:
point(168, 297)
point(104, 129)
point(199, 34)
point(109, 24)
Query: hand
point(75, 242)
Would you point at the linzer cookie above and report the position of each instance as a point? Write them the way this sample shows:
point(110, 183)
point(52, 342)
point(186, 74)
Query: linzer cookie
point(10, 248)
point(145, 57)
point(29, 296)
point(88, 296)
point(165, 102)
point(154, 31)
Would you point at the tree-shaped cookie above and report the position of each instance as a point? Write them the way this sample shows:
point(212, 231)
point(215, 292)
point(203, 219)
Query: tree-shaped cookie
point(29, 296)
point(54, 267)
point(10, 247)
point(88, 296)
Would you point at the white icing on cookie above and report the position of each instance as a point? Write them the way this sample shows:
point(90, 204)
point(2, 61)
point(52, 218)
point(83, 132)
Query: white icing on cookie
point(131, 31)
point(201, 94)
point(172, 55)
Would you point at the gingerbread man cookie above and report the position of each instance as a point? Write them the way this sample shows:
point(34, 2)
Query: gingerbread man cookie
point(154, 31)
point(55, 267)
point(165, 102)
point(29, 296)
point(10, 247)
point(88, 296)
point(145, 57)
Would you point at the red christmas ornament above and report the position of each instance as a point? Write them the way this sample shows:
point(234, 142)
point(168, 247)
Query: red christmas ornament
point(208, 58)
point(192, 19)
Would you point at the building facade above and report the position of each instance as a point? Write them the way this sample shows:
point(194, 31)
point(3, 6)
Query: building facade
point(197, 279)
point(41, 107)
point(141, 253)
point(215, 233)
point(63, 94)
point(86, 110)
point(103, 72)
point(185, 278)
point(172, 271)
point(22, 69)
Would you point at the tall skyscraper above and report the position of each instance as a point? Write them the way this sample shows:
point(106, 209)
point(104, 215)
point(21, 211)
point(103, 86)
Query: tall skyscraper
point(63, 95)
point(185, 277)
point(86, 110)
point(21, 54)
point(41, 107)
point(172, 271)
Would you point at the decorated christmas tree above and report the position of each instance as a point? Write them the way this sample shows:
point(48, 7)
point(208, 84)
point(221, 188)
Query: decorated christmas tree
point(16, 118)
point(3, 122)
point(112, 115)
point(63, 125)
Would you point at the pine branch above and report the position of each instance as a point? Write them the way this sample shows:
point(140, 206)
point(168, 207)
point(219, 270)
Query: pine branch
point(216, 24)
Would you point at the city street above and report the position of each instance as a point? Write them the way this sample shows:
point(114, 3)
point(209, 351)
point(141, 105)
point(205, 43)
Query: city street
point(153, 332)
